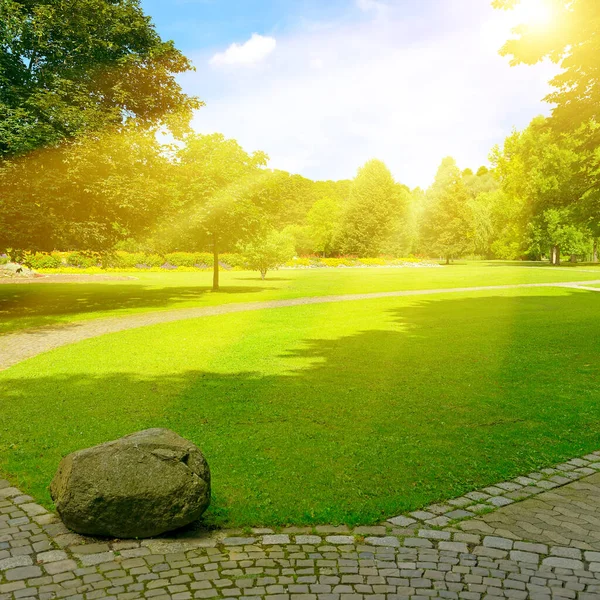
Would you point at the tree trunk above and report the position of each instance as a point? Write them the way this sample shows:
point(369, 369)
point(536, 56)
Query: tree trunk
point(573, 258)
point(447, 260)
point(215, 264)
point(555, 259)
point(263, 274)
point(595, 253)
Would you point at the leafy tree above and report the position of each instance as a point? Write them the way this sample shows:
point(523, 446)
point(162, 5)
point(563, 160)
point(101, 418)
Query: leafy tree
point(368, 217)
point(225, 198)
point(268, 252)
point(323, 222)
point(539, 171)
point(572, 40)
point(554, 231)
point(86, 195)
point(71, 66)
point(447, 225)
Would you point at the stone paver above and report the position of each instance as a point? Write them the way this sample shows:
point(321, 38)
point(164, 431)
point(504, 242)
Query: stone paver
point(544, 547)
point(16, 347)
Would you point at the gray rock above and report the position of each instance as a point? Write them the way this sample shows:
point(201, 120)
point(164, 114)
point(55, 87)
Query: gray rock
point(138, 486)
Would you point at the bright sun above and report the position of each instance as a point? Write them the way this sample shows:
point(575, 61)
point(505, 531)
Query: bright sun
point(535, 13)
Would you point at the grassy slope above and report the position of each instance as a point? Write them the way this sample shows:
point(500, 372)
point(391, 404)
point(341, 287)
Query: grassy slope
point(33, 305)
point(329, 413)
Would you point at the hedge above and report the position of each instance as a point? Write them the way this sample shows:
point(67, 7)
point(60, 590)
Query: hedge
point(188, 261)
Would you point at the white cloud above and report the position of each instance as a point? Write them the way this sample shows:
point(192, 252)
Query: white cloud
point(252, 52)
point(372, 6)
point(337, 95)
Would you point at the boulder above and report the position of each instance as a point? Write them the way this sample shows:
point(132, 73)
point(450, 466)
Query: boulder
point(138, 486)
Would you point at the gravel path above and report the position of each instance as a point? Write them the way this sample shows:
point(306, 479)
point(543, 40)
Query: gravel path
point(18, 346)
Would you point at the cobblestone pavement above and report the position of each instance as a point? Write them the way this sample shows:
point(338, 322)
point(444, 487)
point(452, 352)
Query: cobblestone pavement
point(16, 347)
point(545, 547)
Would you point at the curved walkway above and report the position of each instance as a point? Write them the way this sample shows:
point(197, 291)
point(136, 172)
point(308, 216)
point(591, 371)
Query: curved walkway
point(19, 346)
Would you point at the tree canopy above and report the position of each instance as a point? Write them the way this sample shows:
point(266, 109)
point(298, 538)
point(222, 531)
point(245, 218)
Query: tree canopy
point(71, 66)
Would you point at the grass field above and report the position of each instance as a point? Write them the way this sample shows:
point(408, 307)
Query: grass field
point(338, 413)
point(30, 305)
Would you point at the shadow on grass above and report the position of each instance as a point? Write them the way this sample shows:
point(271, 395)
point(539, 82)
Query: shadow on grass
point(453, 395)
point(44, 304)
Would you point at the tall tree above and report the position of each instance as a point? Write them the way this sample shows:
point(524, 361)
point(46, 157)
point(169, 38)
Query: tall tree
point(539, 171)
point(369, 215)
point(447, 228)
point(571, 39)
point(224, 196)
point(86, 195)
point(70, 66)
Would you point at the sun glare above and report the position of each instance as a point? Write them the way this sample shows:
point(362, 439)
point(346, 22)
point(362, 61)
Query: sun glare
point(535, 13)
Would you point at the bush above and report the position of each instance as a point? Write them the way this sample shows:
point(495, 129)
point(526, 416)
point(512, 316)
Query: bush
point(3, 259)
point(181, 259)
point(298, 262)
point(235, 261)
point(338, 262)
point(189, 259)
point(81, 261)
point(375, 262)
point(44, 261)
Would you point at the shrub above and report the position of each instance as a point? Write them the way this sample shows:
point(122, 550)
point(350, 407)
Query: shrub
point(376, 262)
point(3, 259)
point(128, 260)
point(44, 261)
point(269, 253)
point(181, 259)
point(338, 262)
point(235, 261)
point(298, 262)
point(81, 261)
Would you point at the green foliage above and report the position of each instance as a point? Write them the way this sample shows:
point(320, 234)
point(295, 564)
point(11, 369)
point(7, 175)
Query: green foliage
point(323, 224)
point(572, 40)
point(374, 203)
point(188, 259)
point(448, 222)
point(44, 261)
point(82, 261)
point(268, 253)
point(85, 196)
point(74, 66)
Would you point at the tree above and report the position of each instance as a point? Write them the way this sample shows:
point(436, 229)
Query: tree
point(268, 252)
point(554, 231)
point(71, 66)
point(219, 188)
point(368, 217)
point(447, 225)
point(323, 222)
point(539, 171)
point(571, 40)
point(86, 195)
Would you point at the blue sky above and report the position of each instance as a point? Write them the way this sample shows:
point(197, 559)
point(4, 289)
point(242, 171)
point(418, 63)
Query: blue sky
point(324, 85)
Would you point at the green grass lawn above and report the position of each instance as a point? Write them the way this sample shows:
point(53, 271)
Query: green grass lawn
point(339, 413)
point(38, 304)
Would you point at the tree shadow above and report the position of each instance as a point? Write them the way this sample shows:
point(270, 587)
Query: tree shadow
point(45, 304)
point(452, 395)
